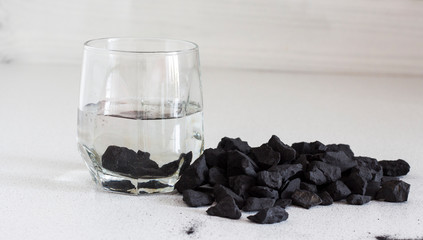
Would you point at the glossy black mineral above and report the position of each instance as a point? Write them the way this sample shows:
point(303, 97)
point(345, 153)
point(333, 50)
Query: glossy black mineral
point(269, 215)
point(395, 168)
point(197, 199)
point(225, 208)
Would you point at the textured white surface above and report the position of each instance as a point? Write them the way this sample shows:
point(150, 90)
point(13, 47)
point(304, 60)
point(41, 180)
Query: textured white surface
point(383, 37)
point(46, 191)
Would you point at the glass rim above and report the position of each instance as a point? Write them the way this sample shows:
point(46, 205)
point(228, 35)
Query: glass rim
point(194, 46)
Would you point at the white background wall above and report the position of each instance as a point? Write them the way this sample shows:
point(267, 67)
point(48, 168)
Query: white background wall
point(319, 36)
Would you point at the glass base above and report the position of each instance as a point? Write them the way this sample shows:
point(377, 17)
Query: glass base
point(114, 182)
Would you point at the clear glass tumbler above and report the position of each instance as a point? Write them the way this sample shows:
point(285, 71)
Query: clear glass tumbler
point(140, 116)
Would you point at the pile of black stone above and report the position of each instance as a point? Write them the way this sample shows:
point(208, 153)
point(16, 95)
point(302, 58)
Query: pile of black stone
point(269, 178)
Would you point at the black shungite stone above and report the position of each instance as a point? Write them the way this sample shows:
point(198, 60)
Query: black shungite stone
point(215, 157)
point(263, 192)
point(305, 199)
point(301, 159)
point(326, 198)
point(269, 179)
point(320, 173)
point(241, 183)
point(269, 215)
point(356, 183)
point(387, 178)
point(228, 144)
point(287, 153)
point(371, 164)
point(220, 192)
point(363, 172)
point(286, 171)
point(119, 159)
point(170, 168)
point(340, 147)
point(239, 163)
point(394, 168)
point(119, 186)
point(339, 159)
point(338, 190)
point(265, 156)
point(225, 208)
point(357, 199)
point(309, 148)
point(194, 176)
point(197, 199)
point(308, 186)
point(217, 176)
point(283, 203)
point(290, 188)
point(394, 191)
point(144, 158)
point(372, 188)
point(256, 204)
point(153, 184)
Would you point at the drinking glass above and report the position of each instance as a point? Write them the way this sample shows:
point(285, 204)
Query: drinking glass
point(140, 115)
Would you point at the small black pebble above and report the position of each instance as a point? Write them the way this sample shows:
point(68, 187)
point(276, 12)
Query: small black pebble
point(197, 199)
point(287, 153)
point(269, 215)
point(283, 203)
point(225, 208)
point(228, 144)
point(265, 156)
point(240, 164)
point(326, 198)
point(395, 168)
point(241, 183)
point(287, 171)
point(194, 176)
point(394, 191)
point(305, 199)
point(290, 188)
point(338, 190)
point(356, 199)
point(269, 179)
point(220, 192)
point(263, 192)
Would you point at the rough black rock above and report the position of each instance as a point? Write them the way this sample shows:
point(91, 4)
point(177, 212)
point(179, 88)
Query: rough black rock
point(371, 164)
point(220, 192)
point(356, 183)
point(308, 186)
point(301, 159)
point(270, 179)
point(372, 188)
point(394, 191)
point(290, 188)
point(283, 203)
point(326, 198)
point(269, 215)
point(263, 192)
point(321, 173)
point(170, 168)
point(239, 163)
point(228, 144)
point(256, 204)
point(241, 183)
point(217, 176)
point(309, 148)
point(305, 198)
point(364, 172)
point(287, 153)
point(119, 159)
point(339, 159)
point(338, 190)
point(144, 159)
point(394, 168)
point(340, 147)
point(215, 157)
point(287, 171)
point(265, 156)
point(119, 186)
point(387, 178)
point(357, 199)
point(194, 176)
point(225, 208)
point(197, 199)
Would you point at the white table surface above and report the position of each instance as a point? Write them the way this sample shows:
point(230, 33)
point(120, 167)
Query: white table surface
point(46, 191)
